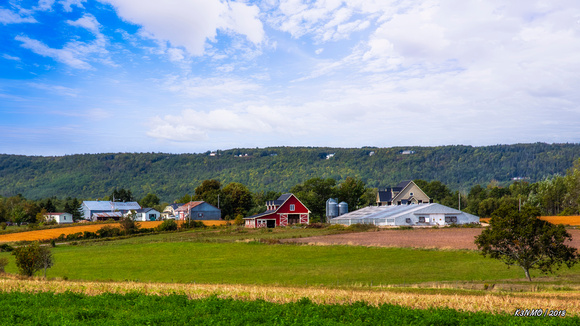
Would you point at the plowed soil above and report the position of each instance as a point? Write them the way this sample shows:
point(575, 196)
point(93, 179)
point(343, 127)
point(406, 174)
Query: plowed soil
point(448, 238)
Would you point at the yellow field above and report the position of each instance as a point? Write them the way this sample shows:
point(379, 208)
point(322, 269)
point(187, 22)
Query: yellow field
point(566, 220)
point(55, 233)
point(489, 302)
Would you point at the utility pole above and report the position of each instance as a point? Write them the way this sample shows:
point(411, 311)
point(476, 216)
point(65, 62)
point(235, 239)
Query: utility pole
point(459, 195)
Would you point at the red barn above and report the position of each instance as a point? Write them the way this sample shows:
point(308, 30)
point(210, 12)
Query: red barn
point(286, 210)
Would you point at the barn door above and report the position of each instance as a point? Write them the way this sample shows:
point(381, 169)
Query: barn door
point(271, 223)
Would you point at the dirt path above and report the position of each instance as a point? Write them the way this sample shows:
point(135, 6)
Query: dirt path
point(447, 238)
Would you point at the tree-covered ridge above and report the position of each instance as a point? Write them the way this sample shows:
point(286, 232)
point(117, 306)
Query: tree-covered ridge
point(277, 168)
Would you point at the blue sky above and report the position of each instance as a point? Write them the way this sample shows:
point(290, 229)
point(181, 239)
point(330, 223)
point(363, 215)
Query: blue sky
point(84, 76)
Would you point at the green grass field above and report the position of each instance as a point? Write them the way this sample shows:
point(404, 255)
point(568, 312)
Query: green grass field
point(138, 309)
point(257, 263)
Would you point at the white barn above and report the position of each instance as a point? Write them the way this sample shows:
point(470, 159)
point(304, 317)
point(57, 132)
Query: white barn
point(90, 208)
point(59, 218)
point(409, 215)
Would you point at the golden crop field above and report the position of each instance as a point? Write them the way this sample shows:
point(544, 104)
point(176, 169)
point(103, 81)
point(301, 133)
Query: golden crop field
point(489, 302)
point(566, 220)
point(55, 233)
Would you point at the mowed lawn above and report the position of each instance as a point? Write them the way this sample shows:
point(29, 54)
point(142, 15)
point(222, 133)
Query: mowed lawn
point(256, 263)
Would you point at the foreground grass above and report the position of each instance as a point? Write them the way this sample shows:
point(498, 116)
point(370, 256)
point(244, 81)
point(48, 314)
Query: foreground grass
point(48, 303)
point(257, 263)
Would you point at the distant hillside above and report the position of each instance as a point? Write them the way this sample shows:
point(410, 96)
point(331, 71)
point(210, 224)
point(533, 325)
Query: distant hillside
point(277, 168)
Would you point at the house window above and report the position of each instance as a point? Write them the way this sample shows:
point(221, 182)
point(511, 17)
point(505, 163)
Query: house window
point(421, 219)
point(292, 208)
point(408, 220)
point(199, 214)
point(399, 202)
point(410, 194)
point(450, 219)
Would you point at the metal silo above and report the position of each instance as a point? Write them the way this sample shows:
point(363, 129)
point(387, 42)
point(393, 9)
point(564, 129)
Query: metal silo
point(342, 208)
point(331, 208)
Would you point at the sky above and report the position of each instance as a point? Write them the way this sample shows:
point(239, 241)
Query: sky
point(188, 76)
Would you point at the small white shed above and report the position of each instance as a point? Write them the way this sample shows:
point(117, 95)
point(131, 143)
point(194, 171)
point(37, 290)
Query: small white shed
point(59, 218)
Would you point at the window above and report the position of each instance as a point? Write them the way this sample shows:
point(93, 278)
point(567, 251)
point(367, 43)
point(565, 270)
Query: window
point(421, 219)
point(410, 194)
point(408, 220)
point(450, 219)
point(199, 214)
point(292, 208)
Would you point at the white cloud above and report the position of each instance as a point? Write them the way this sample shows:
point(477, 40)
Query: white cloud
point(68, 4)
point(61, 90)
point(9, 57)
point(88, 22)
point(211, 87)
point(68, 56)
point(10, 17)
point(190, 23)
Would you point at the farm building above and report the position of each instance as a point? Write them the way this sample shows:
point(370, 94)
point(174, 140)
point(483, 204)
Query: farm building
point(409, 215)
point(146, 214)
point(170, 210)
point(106, 216)
point(405, 193)
point(59, 218)
point(284, 211)
point(198, 210)
point(89, 208)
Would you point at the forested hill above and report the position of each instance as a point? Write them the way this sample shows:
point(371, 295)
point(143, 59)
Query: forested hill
point(170, 176)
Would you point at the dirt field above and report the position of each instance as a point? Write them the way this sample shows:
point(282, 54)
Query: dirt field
point(448, 238)
point(55, 233)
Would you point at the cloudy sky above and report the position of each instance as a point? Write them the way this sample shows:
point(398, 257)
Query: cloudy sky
point(92, 76)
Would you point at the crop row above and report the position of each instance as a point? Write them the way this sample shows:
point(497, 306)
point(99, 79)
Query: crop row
point(47, 308)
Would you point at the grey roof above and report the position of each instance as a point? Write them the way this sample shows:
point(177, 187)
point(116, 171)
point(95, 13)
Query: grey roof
point(386, 195)
point(399, 210)
point(175, 205)
point(403, 184)
point(99, 205)
point(279, 201)
point(262, 214)
point(145, 210)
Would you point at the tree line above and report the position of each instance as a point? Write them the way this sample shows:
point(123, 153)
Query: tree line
point(554, 195)
point(278, 169)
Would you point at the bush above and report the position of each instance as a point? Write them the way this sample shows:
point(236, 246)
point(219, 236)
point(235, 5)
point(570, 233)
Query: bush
point(32, 258)
point(168, 225)
point(6, 247)
point(316, 225)
point(128, 225)
point(3, 225)
point(3, 263)
point(360, 227)
point(108, 231)
point(191, 224)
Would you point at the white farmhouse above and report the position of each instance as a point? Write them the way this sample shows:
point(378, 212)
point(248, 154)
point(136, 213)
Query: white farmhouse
point(59, 218)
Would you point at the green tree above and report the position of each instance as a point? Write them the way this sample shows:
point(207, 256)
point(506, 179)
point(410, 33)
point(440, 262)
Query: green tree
point(237, 200)
point(351, 191)
point(32, 258)
point(314, 193)
point(128, 223)
point(18, 215)
point(210, 192)
point(150, 200)
point(3, 263)
point(522, 239)
point(122, 195)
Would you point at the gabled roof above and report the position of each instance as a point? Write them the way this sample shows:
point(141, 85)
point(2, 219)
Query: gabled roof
point(108, 214)
point(56, 213)
point(385, 195)
point(376, 212)
point(145, 210)
point(175, 205)
point(188, 206)
point(278, 202)
point(99, 205)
